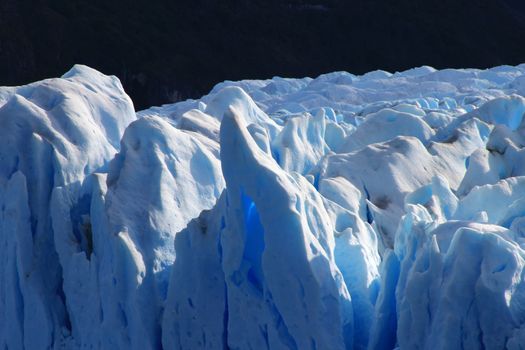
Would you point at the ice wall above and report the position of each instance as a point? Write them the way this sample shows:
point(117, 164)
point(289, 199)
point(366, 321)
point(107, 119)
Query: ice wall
point(343, 212)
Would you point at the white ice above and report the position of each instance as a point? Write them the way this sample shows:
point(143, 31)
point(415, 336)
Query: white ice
point(343, 212)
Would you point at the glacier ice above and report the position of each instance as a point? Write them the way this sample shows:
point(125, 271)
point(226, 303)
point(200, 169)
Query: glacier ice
point(343, 212)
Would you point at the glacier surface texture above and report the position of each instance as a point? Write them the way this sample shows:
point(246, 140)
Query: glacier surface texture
point(380, 211)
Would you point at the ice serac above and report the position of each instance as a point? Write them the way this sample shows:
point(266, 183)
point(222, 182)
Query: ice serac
point(506, 111)
point(274, 247)
point(299, 291)
point(356, 253)
point(301, 143)
point(161, 179)
point(378, 171)
point(383, 331)
point(238, 98)
point(196, 309)
point(460, 285)
point(53, 134)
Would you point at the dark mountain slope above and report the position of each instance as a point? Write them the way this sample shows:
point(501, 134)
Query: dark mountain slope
point(166, 50)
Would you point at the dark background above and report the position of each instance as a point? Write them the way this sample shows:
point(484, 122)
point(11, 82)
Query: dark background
point(164, 50)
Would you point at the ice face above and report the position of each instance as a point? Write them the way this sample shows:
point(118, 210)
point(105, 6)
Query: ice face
point(343, 212)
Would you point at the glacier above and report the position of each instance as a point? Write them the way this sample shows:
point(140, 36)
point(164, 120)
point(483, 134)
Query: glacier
point(382, 211)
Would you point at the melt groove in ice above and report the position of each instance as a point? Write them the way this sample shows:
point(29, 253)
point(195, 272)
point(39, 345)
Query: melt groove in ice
point(344, 212)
